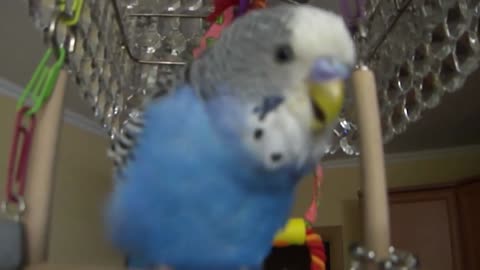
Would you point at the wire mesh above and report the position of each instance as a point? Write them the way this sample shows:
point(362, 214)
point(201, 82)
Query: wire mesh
point(418, 49)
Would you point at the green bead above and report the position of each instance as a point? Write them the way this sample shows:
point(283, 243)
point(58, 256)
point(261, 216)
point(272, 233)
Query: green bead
point(219, 20)
point(210, 41)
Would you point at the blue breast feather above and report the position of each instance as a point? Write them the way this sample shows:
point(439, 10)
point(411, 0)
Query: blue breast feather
point(192, 199)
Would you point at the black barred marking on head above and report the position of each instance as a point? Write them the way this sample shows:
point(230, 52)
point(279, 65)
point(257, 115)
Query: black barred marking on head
point(121, 150)
point(124, 142)
point(124, 139)
point(269, 104)
point(128, 135)
point(167, 81)
point(134, 127)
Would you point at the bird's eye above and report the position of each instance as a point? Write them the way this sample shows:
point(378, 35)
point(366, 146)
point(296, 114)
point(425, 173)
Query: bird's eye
point(284, 54)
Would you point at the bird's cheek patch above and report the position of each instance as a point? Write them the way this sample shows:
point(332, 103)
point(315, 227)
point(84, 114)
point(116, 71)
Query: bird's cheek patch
point(275, 154)
point(277, 139)
point(263, 138)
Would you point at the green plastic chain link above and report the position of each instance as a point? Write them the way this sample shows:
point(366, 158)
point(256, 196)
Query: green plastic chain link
point(43, 80)
point(40, 86)
point(77, 8)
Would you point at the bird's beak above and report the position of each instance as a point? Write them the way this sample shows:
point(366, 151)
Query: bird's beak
point(327, 101)
point(326, 90)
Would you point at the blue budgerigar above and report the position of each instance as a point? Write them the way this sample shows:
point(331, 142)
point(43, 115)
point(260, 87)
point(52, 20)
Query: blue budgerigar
point(206, 174)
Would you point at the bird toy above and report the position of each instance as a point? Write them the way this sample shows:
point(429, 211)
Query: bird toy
point(297, 232)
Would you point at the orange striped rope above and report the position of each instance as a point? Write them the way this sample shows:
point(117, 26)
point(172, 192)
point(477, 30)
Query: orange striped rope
point(315, 245)
point(317, 250)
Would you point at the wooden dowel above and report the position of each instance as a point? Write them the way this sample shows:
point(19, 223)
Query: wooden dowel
point(38, 192)
point(376, 215)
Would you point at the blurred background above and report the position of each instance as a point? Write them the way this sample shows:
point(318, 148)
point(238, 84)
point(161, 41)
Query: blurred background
point(434, 153)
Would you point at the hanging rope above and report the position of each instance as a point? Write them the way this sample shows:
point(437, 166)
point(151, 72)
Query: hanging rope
point(219, 7)
point(225, 11)
point(311, 213)
point(316, 247)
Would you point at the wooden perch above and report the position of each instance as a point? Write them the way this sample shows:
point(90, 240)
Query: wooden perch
point(38, 192)
point(376, 216)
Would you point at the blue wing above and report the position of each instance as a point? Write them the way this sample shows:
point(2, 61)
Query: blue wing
point(192, 196)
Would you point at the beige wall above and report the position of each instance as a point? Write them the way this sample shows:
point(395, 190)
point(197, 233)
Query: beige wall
point(83, 180)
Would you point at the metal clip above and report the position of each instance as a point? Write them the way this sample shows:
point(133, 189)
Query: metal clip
point(14, 211)
point(59, 35)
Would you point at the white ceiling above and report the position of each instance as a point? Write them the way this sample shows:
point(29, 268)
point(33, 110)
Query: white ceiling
point(454, 123)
